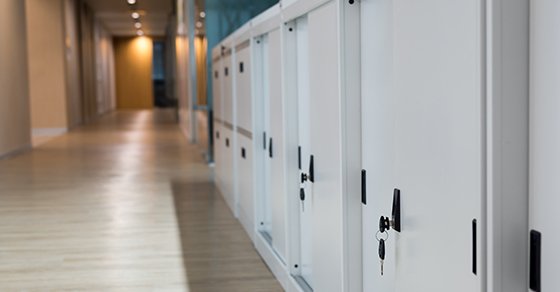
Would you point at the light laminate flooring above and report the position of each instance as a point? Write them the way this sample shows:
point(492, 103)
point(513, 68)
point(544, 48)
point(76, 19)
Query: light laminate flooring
point(124, 204)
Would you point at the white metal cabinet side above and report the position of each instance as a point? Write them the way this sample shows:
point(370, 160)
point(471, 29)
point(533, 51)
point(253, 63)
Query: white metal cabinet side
point(544, 189)
point(507, 76)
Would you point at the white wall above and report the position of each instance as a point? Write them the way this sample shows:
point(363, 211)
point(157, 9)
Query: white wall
point(73, 85)
point(14, 97)
point(105, 69)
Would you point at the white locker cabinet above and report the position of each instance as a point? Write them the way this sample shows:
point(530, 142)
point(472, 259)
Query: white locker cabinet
point(296, 62)
point(229, 125)
point(544, 198)
point(320, 68)
point(269, 141)
point(217, 77)
point(445, 132)
point(244, 134)
point(451, 138)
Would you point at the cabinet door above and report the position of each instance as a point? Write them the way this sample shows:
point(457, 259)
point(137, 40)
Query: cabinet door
point(544, 169)
point(306, 208)
point(439, 160)
point(262, 131)
point(276, 144)
point(439, 137)
point(325, 140)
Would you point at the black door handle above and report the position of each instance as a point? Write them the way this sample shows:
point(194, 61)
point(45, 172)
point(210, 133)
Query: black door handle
point(311, 175)
point(386, 223)
point(270, 147)
point(535, 261)
point(474, 248)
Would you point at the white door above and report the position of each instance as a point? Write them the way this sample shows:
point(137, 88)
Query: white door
point(378, 112)
point(544, 169)
point(262, 128)
point(275, 137)
point(304, 154)
point(423, 136)
point(439, 154)
point(325, 141)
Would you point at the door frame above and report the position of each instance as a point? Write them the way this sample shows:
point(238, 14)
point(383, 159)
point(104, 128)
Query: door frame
point(507, 144)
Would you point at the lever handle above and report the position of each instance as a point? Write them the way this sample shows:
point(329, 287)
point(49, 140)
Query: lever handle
point(396, 211)
point(270, 147)
point(386, 223)
point(311, 175)
point(535, 261)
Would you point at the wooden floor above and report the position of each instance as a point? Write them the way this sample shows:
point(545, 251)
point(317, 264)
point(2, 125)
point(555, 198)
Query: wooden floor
point(125, 204)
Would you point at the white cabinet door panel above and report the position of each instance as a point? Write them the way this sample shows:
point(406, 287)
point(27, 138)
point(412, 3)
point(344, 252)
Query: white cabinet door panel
point(544, 169)
point(438, 142)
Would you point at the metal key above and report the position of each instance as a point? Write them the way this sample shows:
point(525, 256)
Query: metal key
point(382, 253)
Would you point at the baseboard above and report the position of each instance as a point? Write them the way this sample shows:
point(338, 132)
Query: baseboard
point(247, 223)
point(41, 132)
point(230, 200)
point(15, 152)
point(275, 265)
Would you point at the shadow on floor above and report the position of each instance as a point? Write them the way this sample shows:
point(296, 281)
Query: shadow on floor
point(217, 253)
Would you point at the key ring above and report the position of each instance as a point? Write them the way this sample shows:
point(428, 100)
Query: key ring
point(379, 232)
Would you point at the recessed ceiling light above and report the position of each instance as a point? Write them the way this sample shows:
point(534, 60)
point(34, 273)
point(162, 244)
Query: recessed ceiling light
point(198, 24)
point(138, 25)
point(135, 15)
point(139, 32)
point(202, 14)
point(131, 2)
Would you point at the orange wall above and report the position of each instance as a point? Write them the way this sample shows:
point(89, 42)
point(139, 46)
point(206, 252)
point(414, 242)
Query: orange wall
point(47, 86)
point(133, 64)
point(14, 97)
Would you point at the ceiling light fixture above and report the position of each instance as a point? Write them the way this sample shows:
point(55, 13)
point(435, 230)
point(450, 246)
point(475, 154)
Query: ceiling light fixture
point(198, 24)
point(135, 15)
point(138, 25)
point(140, 32)
point(131, 2)
point(202, 14)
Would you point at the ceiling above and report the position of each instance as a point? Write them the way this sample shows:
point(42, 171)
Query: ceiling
point(115, 16)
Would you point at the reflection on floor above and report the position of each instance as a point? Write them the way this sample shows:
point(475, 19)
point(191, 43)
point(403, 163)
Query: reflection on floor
point(125, 204)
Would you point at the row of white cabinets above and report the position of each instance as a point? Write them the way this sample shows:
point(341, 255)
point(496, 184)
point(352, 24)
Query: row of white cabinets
point(382, 145)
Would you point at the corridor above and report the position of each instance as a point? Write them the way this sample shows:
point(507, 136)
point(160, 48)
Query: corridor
point(122, 204)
